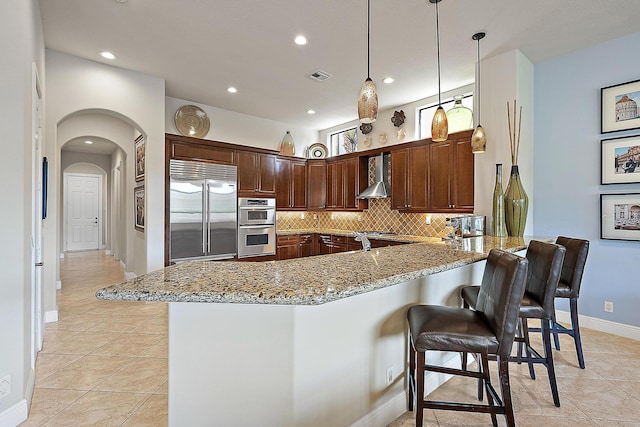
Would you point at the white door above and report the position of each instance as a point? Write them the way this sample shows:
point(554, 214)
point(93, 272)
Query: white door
point(83, 207)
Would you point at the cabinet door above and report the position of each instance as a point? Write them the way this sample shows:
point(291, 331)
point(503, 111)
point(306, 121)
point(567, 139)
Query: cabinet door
point(283, 183)
point(298, 185)
point(440, 174)
point(463, 176)
point(418, 178)
point(306, 245)
point(335, 185)
point(324, 244)
point(267, 173)
point(247, 166)
point(316, 184)
point(286, 252)
point(399, 179)
point(351, 183)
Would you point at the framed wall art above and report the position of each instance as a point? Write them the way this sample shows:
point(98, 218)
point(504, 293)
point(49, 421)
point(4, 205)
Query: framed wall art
point(620, 160)
point(139, 158)
point(138, 205)
point(620, 107)
point(620, 216)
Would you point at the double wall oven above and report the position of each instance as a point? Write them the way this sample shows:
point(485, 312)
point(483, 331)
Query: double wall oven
point(256, 227)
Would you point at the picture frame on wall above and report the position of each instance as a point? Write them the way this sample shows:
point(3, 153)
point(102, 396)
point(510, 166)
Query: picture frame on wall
point(620, 160)
point(620, 107)
point(138, 205)
point(620, 216)
point(140, 157)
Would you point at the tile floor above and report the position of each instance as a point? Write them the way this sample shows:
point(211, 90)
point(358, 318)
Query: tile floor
point(104, 363)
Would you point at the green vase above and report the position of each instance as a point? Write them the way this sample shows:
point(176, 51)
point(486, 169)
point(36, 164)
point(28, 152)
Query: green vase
point(498, 226)
point(516, 204)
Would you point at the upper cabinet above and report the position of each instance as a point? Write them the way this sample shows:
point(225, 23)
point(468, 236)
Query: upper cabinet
point(346, 178)
point(186, 148)
point(291, 184)
point(316, 184)
point(451, 176)
point(256, 174)
point(410, 179)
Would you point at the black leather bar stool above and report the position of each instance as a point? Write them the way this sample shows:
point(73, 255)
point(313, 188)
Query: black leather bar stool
point(488, 331)
point(569, 287)
point(545, 265)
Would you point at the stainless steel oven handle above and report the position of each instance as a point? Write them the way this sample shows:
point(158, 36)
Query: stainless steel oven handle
point(205, 212)
point(257, 226)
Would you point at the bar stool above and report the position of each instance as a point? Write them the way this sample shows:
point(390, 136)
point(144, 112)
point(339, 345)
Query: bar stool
point(545, 265)
point(488, 331)
point(569, 287)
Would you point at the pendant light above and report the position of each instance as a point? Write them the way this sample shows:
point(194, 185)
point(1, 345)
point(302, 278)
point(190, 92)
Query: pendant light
point(368, 99)
point(479, 138)
point(439, 125)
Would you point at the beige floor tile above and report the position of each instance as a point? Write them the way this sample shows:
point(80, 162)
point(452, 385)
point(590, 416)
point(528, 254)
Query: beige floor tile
point(47, 364)
point(97, 408)
point(47, 403)
point(85, 373)
point(538, 421)
point(81, 343)
point(152, 413)
point(141, 375)
point(128, 345)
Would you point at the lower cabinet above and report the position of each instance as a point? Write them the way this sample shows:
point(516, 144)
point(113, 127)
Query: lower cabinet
point(294, 246)
point(310, 244)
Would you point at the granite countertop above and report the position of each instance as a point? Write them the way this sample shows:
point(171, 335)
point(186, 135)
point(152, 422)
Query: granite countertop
point(304, 281)
point(390, 237)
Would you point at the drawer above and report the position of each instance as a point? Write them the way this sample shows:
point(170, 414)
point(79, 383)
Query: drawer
point(284, 239)
point(305, 238)
point(339, 239)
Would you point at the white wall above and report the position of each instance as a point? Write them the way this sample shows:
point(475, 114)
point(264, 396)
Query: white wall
point(21, 44)
point(79, 85)
point(567, 170)
point(237, 128)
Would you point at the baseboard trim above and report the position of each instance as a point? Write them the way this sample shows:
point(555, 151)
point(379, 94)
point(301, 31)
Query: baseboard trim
point(51, 316)
point(31, 385)
point(58, 284)
point(128, 275)
point(607, 326)
point(61, 255)
point(15, 414)
point(384, 414)
point(107, 252)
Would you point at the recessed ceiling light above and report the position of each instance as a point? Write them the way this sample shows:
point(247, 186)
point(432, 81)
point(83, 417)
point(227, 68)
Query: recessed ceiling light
point(232, 89)
point(300, 40)
point(88, 142)
point(387, 80)
point(311, 111)
point(107, 55)
point(121, 1)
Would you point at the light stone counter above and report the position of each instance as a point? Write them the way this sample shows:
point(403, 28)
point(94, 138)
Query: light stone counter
point(306, 281)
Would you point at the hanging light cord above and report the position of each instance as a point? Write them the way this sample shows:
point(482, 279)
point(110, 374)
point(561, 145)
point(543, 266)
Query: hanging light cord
point(438, 45)
point(368, 37)
point(478, 85)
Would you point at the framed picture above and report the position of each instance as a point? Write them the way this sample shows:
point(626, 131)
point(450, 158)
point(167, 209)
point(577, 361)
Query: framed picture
point(138, 204)
point(139, 158)
point(620, 107)
point(620, 216)
point(620, 160)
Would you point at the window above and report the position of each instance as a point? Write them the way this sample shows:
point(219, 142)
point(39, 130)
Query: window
point(345, 141)
point(425, 114)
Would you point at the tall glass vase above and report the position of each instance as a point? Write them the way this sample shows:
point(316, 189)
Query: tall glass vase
point(498, 226)
point(516, 204)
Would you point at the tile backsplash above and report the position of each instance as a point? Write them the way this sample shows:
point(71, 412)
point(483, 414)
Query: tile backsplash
point(379, 217)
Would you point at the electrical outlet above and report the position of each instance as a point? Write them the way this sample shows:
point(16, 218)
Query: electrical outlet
point(608, 306)
point(389, 375)
point(427, 220)
point(5, 386)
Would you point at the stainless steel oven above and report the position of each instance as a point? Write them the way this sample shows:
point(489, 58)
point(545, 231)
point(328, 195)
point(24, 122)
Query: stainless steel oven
point(256, 227)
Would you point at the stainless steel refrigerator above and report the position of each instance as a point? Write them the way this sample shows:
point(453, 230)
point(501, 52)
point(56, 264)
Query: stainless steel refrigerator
point(202, 210)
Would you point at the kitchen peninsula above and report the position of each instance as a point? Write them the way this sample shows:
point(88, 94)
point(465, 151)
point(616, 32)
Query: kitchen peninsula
point(312, 341)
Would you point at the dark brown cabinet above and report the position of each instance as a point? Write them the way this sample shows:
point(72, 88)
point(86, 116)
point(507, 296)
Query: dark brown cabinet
point(316, 184)
point(409, 179)
point(287, 247)
point(306, 245)
point(291, 184)
point(451, 176)
point(346, 178)
point(256, 174)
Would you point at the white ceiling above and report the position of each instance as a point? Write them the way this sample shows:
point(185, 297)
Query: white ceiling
point(99, 146)
point(200, 47)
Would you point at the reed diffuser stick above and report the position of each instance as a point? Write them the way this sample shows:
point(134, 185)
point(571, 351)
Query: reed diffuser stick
point(510, 137)
point(519, 129)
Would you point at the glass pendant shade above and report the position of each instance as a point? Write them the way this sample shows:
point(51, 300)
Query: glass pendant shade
point(479, 140)
point(287, 146)
point(368, 102)
point(459, 117)
point(439, 126)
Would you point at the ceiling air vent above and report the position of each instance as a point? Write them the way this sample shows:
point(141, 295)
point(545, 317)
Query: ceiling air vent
point(319, 76)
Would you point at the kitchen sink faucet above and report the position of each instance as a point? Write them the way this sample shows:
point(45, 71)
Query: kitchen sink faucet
point(361, 237)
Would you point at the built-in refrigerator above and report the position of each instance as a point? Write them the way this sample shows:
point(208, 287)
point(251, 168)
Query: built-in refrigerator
point(202, 211)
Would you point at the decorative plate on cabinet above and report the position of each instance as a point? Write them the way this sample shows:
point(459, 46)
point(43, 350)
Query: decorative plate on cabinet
point(192, 121)
point(318, 151)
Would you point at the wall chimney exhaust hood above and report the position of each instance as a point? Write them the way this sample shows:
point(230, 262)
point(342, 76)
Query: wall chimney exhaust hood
point(380, 188)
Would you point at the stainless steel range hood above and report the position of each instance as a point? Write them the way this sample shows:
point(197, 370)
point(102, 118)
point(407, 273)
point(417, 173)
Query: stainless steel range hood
point(380, 188)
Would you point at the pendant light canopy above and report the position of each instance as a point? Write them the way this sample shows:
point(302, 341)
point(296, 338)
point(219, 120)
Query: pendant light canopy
point(479, 138)
point(368, 99)
point(439, 125)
